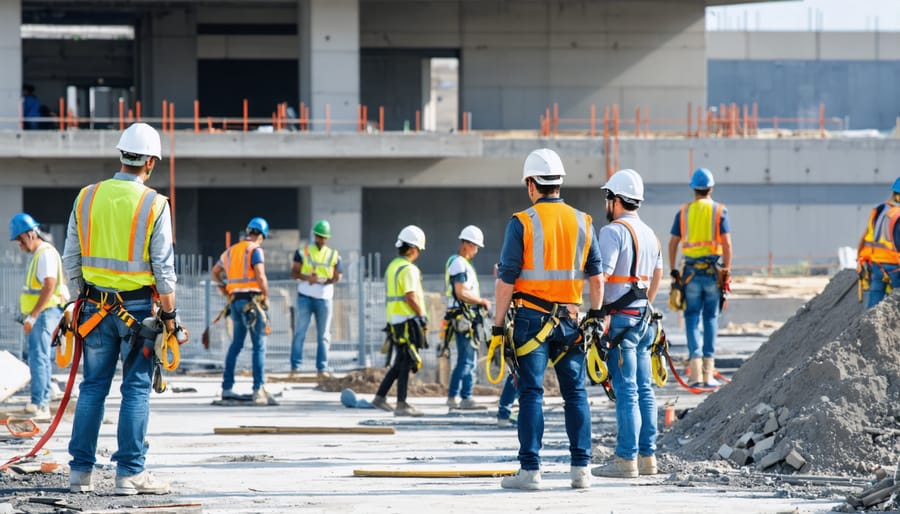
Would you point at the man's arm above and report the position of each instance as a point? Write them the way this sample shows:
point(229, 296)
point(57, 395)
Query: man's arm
point(674, 241)
point(47, 289)
point(260, 269)
point(726, 252)
point(460, 289)
point(654, 284)
point(503, 293)
point(295, 271)
point(71, 257)
point(217, 272)
point(336, 273)
point(595, 284)
point(413, 303)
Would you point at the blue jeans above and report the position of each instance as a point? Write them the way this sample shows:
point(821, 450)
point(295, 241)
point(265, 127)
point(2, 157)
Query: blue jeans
point(308, 306)
point(569, 373)
point(110, 341)
point(40, 356)
point(701, 296)
point(507, 398)
point(258, 338)
point(464, 373)
point(877, 285)
point(630, 371)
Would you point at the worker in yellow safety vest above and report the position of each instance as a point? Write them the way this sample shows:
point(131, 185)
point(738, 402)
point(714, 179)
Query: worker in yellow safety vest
point(702, 229)
point(40, 302)
point(548, 251)
point(240, 274)
point(878, 253)
point(318, 267)
point(407, 323)
point(119, 259)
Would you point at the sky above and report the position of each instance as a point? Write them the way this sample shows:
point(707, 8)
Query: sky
point(829, 15)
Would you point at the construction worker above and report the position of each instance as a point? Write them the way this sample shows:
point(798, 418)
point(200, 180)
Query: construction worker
point(40, 303)
point(119, 256)
point(702, 229)
point(632, 270)
point(878, 253)
point(547, 251)
point(466, 310)
point(240, 275)
point(406, 318)
point(318, 268)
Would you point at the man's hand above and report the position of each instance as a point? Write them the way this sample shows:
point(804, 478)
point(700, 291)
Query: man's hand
point(486, 304)
point(28, 324)
point(676, 275)
point(423, 322)
point(593, 322)
point(312, 279)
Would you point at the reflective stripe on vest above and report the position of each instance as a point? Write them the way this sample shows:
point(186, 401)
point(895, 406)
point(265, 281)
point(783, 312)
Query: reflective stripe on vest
point(239, 273)
point(701, 228)
point(556, 239)
point(319, 261)
point(476, 287)
point(878, 244)
point(31, 292)
point(396, 304)
point(114, 221)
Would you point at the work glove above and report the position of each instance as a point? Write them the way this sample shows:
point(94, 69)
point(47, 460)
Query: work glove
point(264, 303)
point(725, 279)
point(593, 322)
point(676, 276)
point(28, 324)
point(423, 322)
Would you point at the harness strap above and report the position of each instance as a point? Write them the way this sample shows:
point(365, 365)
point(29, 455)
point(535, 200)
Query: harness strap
point(540, 337)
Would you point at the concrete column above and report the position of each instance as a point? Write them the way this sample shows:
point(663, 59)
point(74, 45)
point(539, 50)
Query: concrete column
point(10, 63)
point(329, 60)
point(342, 207)
point(11, 204)
point(167, 61)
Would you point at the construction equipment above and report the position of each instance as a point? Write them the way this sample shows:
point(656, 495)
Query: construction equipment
point(676, 294)
point(724, 283)
point(63, 337)
point(21, 428)
point(658, 350)
point(502, 340)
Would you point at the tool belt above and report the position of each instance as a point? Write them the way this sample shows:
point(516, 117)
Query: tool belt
point(555, 311)
point(254, 310)
point(144, 293)
point(408, 337)
point(467, 320)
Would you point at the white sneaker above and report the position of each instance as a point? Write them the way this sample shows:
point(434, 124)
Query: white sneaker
point(453, 403)
point(468, 403)
point(38, 413)
point(228, 394)
point(31, 408)
point(525, 479)
point(142, 483)
point(581, 477)
point(55, 392)
point(504, 423)
point(261, 396)
point(80, 482)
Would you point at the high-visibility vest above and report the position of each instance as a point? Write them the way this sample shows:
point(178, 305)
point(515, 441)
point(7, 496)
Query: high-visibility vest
point(556, 239)
point(878, 243)
point(115, 220)
point(396, 304)
point(32, 290)
point(239, 273)
point(319, 261)
point(701, 228)
point(471, 277)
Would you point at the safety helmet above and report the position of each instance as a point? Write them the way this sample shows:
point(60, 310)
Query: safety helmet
point(411, 235)
point(627, 184)
point(349, 399)
point(322, 228)
point(473, 235)
point(139, 139)
point(702, 179)
point(545, 167)
point(896, 187)
point(19, 224)
point(259, 224)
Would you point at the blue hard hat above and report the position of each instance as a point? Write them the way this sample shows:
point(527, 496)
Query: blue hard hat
point(19, 224)
point(702, 179)
point(896, 187)
point(348, 398)
point(261, 225)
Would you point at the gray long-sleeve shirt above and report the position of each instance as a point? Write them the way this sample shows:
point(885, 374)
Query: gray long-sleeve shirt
point(162, 253)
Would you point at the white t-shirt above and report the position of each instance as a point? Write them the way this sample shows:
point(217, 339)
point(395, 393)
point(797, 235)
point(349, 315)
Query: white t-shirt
point(49, 264)
point(459, 264)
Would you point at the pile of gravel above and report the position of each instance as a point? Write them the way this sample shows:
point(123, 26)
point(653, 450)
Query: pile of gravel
point(832, 371)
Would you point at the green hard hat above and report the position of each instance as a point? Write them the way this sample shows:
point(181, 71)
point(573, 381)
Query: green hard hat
point(322, 228)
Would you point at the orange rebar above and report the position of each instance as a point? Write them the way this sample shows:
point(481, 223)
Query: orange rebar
point(606, 141)
point(196, 116)
point(130, 116)
point(209, 123)
point(465, 123)
point(418, 120)
point(62, 114)
point(137, 110)
point(646, 121)
point(746, 125)
point(616, 136)
point(555, 119)
point(71, 117)
point(121, 114)
point(690, 162)
point(274, 121)
point(366, 117)
point(699, 120)
point(165, 114)
point(755, 124)
point(637, 121)
point(171, 116)
point(822, 120)
point(227, 239)
point(381, 119)
point(172, 168)
point(690, 122)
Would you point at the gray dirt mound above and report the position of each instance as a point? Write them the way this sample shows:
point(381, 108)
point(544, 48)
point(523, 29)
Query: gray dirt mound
point(826, 384)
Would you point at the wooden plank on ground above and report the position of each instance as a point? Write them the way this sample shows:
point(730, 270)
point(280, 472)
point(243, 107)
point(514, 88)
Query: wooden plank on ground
point(252, 430)
point(173, 508)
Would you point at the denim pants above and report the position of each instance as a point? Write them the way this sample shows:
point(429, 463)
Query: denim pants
point(701, 297)
point(307, 307)
point(630, 371)
point(569, 373)
point(104, 346)
point(40, 355)
point(463, 375)
point(877, 286)
point(507, 398)
point(239, 319)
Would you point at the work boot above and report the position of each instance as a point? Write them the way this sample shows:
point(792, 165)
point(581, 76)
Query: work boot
point(261, 396)
point(581, 477)
point(228, 394)
point(142, 483)
point(453, 403)
point(468, 403)
point(80, 482)
point(709, 367)
point(526, 479)
point(380, 402)
point(322, 375)
point(617, 468)
point(696, 365)
point(647, 465)
point(55, 392)
point(405, 409)
point(505, 423)
point(37, 412)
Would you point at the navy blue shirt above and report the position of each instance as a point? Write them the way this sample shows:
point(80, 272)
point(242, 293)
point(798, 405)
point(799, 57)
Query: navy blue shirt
point(512, 253)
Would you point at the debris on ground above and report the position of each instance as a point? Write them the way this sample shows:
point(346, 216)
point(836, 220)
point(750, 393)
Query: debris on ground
point(367, 380)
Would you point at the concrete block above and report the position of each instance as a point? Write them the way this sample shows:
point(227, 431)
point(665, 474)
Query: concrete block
point(741, 457)
point(771, 425)
point(15, 375)
point(784, 414)
point(769, 460)
point(757, 438)
point(762, 409)
point(725, 451)
point(745, 440)
point(763, 446)
point(795, 460)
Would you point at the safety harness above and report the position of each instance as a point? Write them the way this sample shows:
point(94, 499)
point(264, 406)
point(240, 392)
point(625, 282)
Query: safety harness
point(407, 336)
point(506, 356)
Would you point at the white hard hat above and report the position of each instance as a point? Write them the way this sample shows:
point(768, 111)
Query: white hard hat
point(473, 235)
point(542, 163)
point(627, 184)
point(139, 139)
point(411, 235)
